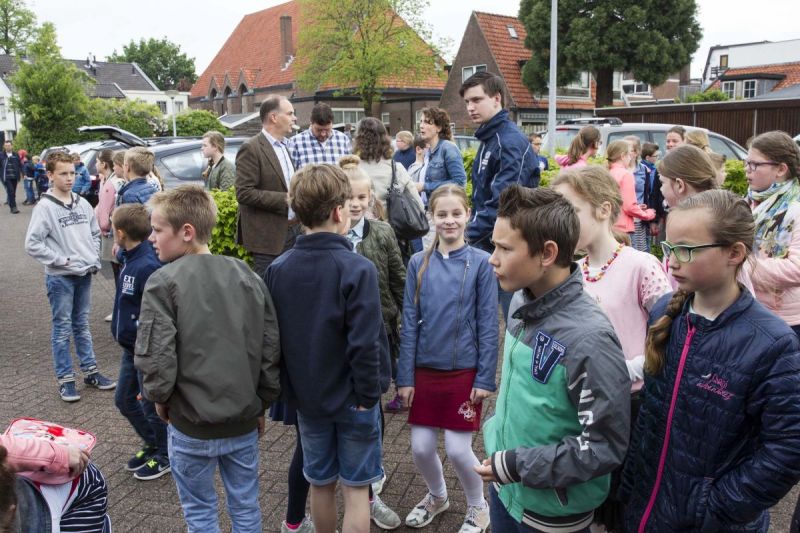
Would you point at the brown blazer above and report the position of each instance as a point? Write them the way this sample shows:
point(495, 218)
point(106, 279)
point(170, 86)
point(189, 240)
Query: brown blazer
point(261, 193)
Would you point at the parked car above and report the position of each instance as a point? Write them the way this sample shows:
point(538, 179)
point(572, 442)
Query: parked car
point(647, 132)
point(466, 142)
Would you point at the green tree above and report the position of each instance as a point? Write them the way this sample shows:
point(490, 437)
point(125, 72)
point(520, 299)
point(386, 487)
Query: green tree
point(650, 38)
point(196, 123)
point(162, 61)
point(357, 46)
point(714, 95)
point(50, 93)
point(17, 26)
point(135, 116)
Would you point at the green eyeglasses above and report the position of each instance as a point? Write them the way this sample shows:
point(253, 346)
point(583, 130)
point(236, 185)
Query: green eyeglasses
point(684, 253)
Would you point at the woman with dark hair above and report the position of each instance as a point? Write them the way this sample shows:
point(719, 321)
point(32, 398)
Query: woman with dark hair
point(373, 145)
point(445, 164)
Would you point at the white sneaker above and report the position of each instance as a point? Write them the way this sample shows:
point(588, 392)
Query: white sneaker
point(306, 526)
point(382, 515)
point(377, 487)
point(477, 519)
point(426, 510)
point(109, 317)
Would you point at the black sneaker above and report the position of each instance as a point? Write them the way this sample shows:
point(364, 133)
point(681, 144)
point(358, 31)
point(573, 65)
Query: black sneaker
point(68, 391)
point(98, 380)
point(153, 469)
point(141, 457)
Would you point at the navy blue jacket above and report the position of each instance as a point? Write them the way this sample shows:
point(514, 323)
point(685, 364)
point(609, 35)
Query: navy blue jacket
point(137, 265)
point(333, 341)
point(733, 447)
point(83, 181)
point(406, 157)
point(445, 165)
point(505, 157)
point(10, 166)
point(454, 327)
point(136, 191)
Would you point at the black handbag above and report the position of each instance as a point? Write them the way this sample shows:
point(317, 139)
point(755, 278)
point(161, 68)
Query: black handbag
point(406, 216)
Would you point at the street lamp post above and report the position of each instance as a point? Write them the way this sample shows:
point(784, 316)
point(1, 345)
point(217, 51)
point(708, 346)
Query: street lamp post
point(172, 93)
point(551, 93)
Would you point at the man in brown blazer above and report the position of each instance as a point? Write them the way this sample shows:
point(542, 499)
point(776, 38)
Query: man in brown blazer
point(266, 227)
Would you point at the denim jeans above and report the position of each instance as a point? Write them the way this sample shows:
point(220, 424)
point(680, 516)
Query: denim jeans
point(194, 462)
point(502, 521)
point(140, 413)
point(30, 197)
point(70, 302)
point(11, 193)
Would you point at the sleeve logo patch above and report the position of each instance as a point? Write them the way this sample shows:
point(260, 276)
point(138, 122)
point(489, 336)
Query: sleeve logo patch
point(546, 355)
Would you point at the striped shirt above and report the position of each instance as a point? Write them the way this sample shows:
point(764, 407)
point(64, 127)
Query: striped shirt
point(305, 148)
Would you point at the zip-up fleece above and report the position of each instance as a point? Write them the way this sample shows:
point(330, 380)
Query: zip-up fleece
point(717, 439)
point(454, 327)
point(563, 411)
point(208, 345)
point(59, 232)
point(504, 157)
point(137, 265)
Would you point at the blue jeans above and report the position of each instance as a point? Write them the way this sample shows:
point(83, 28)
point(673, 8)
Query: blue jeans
point(502, 521)
point(30, 197)
point(140, 413)
point(194, 462)
point(70, 302)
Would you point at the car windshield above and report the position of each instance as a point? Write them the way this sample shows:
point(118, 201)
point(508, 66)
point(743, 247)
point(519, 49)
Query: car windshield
point(564, 137)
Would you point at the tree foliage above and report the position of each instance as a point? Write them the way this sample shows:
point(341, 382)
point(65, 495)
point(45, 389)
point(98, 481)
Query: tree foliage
point(162, 61)
point(356, 46)
point(714, 95)
point(196, 123)
point(650, 38)
point(17, 26)
point(49, 93)
point(135, 116)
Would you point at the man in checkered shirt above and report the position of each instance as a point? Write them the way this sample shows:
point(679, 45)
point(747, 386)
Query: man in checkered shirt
point(320, 143)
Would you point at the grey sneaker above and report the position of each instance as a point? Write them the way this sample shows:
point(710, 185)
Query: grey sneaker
point(377, 487)
point(477, 519)
point(426, 510)
point(382, 515)
point(306, 526)
point(68, 391)
point(98, 380)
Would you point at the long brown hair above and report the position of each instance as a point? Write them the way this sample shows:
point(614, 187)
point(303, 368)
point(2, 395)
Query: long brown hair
point(732, 223)
point(448, 189)
point(691, 164)
point(372, 143)
point(587, 137)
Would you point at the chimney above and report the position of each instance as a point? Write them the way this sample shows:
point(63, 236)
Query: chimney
point(287, 47)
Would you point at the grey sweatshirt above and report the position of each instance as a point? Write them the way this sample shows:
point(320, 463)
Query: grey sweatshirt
point(65, 238)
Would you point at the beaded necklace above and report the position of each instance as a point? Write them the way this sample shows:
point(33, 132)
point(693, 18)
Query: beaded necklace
point(599, 276)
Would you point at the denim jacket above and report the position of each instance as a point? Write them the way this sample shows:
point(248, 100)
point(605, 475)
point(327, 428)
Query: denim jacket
point(454, 326)
point(445, 165)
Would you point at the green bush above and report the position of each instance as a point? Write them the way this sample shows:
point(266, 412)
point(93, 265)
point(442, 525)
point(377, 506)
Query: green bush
point(735, 178)
point(223, 237)
point(714, 95)
point(468, 156)
point(135, 116)
point(196, 123)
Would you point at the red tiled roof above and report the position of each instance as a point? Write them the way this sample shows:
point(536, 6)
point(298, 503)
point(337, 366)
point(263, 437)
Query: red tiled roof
point(790, 70)
point(254, 48)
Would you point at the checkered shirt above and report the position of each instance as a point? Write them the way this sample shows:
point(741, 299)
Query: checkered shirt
point(305, 148)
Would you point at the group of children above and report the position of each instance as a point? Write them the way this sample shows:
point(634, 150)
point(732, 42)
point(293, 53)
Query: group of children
point(620, 401)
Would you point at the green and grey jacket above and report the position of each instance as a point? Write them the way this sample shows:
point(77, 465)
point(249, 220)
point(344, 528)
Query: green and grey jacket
point(222, 175)
point(562, 415)
point(379, 245)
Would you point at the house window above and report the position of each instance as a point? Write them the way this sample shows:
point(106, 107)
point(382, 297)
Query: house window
point(512, 32)
point(729, 88)
point(580, 88)
point(385, 118)
point(749, 88)
point(162, 105)
point(723, 61)
point(347, 116)
point(2, 108)
point(419, 116)
point(178, 107)
point(466, 72)
point(635, 87)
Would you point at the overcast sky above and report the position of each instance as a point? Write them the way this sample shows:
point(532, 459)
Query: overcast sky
point(201, 27)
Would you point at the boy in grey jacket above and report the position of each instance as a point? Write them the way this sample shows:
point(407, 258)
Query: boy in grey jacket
point(208, 349)
point(64, 236)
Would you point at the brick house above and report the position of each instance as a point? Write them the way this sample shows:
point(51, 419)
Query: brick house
point(497, 43)
point(258, 59)
point(757, 81)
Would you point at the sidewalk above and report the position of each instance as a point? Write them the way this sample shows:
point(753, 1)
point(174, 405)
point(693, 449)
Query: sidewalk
point(29, 389)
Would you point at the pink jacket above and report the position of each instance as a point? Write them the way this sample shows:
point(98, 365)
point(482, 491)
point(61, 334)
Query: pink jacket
point(37, 459)
point(105, 203)
point(630, 208)
point(563, 161)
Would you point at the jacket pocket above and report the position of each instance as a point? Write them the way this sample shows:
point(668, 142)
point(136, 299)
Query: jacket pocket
point(155, 358)
point(701, 511)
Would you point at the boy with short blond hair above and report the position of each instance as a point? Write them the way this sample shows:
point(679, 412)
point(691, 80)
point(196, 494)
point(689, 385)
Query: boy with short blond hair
point(561, 424)
point(131, 228)
point(210, 374)
point(64, 236)
point(138, 165)
point(329, 313)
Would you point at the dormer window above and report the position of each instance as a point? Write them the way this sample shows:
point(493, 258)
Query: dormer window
point(512, 32)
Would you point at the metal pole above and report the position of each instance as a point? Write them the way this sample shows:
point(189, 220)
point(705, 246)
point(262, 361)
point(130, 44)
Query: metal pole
point(551, 96)
point(174, 127)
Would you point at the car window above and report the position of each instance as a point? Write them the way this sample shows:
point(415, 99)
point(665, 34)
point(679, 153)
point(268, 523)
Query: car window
point(231, 151)
point(660, 138)
point(564, 137)
point(721, 146)
point(186, 165)
point(619, 135)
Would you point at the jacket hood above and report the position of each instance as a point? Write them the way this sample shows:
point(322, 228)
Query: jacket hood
point(490, 128)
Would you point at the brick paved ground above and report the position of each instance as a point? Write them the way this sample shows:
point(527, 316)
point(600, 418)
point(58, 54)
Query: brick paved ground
point(28, 389)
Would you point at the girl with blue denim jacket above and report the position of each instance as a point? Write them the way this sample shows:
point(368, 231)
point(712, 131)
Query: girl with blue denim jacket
point(448, 357)
point(445, 164)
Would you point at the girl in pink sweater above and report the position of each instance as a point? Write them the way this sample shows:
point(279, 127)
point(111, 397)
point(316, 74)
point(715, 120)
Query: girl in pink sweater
point(619, 159)
point(583, 146)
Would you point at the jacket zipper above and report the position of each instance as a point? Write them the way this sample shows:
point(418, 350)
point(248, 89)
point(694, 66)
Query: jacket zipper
point(517, 337)
point(458, 314)
point(118, 300)
point(665, 446)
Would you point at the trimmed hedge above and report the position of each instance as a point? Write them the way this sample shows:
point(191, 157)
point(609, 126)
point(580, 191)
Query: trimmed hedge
point(223, 236)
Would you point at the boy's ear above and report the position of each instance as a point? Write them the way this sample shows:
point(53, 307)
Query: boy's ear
point(549, 253)
point(187, 232)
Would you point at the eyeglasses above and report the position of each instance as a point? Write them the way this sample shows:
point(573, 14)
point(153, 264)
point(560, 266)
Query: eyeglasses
point(684, 253)
point(752, 166)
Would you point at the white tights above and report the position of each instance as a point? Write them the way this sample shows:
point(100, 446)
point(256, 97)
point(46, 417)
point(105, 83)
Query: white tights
point(458, 445)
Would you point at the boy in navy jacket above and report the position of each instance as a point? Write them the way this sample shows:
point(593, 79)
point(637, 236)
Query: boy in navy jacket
point(332, 342)
point(131, 224)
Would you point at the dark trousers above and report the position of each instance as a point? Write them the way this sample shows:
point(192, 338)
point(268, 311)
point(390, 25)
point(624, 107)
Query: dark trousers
point(261, 262)
point(11, 192)
point(502, 521)
point(140, 413)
